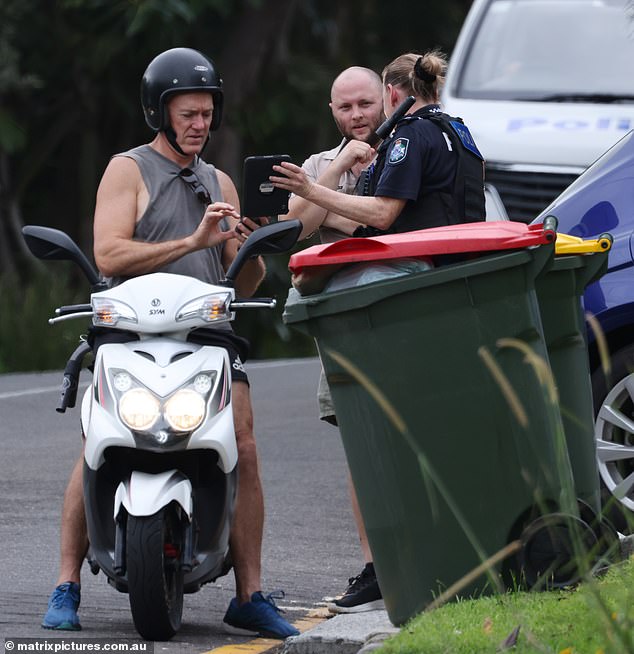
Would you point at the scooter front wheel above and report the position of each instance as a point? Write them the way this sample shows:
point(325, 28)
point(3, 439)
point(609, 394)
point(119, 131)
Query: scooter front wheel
point(155, 576)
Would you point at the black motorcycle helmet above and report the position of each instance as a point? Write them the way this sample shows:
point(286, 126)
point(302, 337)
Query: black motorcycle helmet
point(176, 71)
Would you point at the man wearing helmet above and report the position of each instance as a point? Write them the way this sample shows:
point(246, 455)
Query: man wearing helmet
point(160, 207)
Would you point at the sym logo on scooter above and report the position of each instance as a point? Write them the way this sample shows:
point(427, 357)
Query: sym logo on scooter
point(156, 312)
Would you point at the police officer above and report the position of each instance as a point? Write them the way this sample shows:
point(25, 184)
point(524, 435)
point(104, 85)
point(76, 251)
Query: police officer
point(429, 173)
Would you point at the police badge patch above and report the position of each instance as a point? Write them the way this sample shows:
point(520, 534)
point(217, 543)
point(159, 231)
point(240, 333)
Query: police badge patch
point(398, 151)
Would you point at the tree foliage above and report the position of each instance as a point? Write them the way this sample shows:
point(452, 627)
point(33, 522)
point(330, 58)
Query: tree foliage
point(69, 88)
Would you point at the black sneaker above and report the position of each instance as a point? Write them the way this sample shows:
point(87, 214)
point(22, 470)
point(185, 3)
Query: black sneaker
point(362, 594)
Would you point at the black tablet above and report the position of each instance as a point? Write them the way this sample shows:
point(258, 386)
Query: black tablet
point(259, 196)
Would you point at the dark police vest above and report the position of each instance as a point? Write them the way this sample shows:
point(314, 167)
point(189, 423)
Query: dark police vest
point(465, 203)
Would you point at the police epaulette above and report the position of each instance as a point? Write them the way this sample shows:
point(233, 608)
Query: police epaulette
point(408, 118)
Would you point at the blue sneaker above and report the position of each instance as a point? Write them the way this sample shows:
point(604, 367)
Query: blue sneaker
point(259, 617)
point(62, 608)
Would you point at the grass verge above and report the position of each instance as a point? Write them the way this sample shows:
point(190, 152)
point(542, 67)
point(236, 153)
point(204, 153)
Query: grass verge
point(595, 617)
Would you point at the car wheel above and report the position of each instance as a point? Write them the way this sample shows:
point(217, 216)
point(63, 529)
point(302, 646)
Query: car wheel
point(614, 435)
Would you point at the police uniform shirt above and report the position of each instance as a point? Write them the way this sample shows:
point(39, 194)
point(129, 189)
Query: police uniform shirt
point(419, 161)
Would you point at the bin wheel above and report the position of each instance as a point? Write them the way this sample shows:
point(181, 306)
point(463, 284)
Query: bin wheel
point(609, 549)
point(614, 436)
point(555, 550)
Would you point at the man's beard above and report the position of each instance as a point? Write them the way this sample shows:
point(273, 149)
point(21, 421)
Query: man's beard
point(349, 134)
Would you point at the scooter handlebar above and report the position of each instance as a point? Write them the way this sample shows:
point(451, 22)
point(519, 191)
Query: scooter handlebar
point(71, 316)
point(254, 303)
point(72, 308)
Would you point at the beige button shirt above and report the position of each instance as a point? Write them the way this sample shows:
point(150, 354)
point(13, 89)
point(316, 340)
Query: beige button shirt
point(314, 166)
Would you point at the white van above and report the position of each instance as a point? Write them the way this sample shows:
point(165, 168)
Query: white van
point(546, 87)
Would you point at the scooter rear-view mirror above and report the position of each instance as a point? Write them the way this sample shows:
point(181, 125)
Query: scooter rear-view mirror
point(49, 243)
point(275, 238)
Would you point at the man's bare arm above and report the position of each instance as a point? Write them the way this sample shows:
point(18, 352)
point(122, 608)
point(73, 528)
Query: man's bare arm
point(121, 200)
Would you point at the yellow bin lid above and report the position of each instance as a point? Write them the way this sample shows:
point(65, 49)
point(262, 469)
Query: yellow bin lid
point(566, 244)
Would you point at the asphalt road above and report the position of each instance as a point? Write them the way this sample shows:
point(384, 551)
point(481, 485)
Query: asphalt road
point(310, 545)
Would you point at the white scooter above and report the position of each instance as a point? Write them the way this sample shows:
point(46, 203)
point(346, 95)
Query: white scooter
point(160, 467)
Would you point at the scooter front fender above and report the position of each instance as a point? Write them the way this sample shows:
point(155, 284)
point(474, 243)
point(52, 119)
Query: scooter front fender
point(143, 494)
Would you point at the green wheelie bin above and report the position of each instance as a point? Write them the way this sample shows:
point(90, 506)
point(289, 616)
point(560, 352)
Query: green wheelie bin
point(455, 448)
point(560, 288)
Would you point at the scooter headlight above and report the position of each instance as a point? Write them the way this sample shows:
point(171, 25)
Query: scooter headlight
point(185, 410)
point(158, 421)
point(210, 308)
point(139, 409)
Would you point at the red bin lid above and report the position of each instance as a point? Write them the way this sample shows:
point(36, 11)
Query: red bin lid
point(453, 239)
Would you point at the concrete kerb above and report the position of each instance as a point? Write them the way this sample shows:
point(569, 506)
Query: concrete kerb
point(343, 634)
point(363, 633)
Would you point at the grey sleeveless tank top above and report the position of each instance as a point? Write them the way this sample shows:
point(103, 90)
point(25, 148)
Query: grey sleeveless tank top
point(174, 211)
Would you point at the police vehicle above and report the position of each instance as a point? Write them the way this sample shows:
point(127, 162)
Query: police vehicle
point(545, 87)
point(601, 200)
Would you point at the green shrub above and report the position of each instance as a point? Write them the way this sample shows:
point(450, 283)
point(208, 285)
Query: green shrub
point(27, 341)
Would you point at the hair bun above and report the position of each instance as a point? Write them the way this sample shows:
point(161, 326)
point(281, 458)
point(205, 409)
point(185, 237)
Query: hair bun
point(421, 73)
